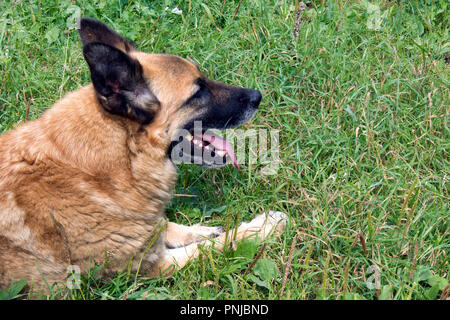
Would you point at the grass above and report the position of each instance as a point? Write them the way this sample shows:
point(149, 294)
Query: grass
point(361, 99)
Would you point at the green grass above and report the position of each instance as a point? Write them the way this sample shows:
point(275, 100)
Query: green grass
point(362, 106)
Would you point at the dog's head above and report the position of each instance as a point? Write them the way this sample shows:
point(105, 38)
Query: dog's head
point(166, 92)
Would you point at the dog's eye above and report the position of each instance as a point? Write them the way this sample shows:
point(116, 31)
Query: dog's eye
point(202, 89)
point(201, 86)
point(200, 93)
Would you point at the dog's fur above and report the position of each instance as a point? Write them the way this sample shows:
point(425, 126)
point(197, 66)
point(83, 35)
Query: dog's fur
point(89, 181)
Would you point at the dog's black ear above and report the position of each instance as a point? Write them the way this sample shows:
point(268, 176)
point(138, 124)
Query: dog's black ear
point(92, 30)
point(119, 82)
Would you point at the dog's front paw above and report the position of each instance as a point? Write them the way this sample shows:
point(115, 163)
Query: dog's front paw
point(264, 225)
point(277, 219)
point(203, 232)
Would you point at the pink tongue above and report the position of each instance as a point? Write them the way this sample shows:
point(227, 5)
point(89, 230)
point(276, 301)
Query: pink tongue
point(221, 144)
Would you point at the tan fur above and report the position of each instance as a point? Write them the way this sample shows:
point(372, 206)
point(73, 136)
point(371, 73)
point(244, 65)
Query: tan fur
point(80, 185)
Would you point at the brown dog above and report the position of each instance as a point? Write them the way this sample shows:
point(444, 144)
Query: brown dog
point(89, 180)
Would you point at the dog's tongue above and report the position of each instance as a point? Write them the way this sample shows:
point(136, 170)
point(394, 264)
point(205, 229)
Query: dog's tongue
point(221, 144)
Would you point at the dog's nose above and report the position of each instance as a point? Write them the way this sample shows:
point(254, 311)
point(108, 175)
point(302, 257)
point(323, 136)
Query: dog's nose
point(254, 98)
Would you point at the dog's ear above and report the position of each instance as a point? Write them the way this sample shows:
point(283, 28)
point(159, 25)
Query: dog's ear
point(119, 82)
point(92, 30)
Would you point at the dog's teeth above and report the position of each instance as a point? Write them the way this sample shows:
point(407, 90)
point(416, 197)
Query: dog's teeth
point(198, 143)
point(221, 152)
point(208, 147)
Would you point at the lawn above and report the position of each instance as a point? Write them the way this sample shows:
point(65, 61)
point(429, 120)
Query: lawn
point(359, 92)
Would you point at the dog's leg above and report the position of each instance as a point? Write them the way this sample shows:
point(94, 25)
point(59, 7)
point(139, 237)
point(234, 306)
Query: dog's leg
point(177, 235)
point(260, 228)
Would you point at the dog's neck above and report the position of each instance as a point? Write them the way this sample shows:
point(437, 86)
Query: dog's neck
point(101, 145)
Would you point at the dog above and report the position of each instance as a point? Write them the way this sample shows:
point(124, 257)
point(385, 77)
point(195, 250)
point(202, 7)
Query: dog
point(88, 182)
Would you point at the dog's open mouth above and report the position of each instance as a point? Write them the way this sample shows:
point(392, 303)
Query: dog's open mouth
point(212, 146)
point(201, 147)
